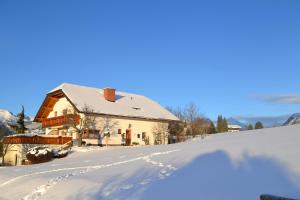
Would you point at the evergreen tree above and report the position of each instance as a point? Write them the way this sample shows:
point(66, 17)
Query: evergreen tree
point(220, 124)
point(250, 127)
point(212, 128)
point(225, 125)
point(259, 125)
point(20, 122)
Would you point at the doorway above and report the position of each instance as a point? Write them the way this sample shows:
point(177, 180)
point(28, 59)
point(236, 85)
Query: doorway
point(128, 137)
point(16, 160)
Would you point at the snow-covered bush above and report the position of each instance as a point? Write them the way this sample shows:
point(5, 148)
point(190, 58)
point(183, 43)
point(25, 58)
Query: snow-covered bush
point(44, 154)
point(39, 154)
point(59, 153)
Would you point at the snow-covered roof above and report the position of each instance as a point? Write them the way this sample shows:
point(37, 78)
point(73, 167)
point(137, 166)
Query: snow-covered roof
point(126, 104)
point(234, 126)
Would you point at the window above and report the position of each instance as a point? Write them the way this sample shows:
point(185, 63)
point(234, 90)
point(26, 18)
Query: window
point(65, 112)
point(90, 134)
point(138, 135)
point(119, 131)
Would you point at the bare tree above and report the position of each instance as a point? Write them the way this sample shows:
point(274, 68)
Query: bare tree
point(146, 140)
point(193, 123)
point(107, 127)
point(178, 112)
point(201, 126)
point(87, 121)
point(176, 128)
point(191, 113)
point(160, 133)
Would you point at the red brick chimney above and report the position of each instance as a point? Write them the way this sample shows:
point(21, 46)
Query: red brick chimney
point(109, 94)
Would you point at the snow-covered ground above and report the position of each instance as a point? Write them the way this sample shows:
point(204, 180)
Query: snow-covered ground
point(223, 166)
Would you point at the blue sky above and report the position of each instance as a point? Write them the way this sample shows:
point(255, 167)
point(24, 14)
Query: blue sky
point(236, 58)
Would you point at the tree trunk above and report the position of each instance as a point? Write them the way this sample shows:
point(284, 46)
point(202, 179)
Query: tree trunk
point(79, 140)
point(106, 140)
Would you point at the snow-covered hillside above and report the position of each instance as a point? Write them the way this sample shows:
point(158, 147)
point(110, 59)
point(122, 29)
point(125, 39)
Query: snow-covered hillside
point(223, 166)
point(293, 119)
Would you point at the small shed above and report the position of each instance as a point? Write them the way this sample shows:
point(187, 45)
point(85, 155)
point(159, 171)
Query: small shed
point(16, 146)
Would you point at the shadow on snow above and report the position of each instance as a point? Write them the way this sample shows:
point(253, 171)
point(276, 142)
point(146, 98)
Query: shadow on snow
point(214, 176)
point(211, 176)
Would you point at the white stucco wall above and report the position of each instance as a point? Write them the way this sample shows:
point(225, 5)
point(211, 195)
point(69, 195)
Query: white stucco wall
point(17, 152)
point(60, 105)
point(137, 127)
point(14, 155)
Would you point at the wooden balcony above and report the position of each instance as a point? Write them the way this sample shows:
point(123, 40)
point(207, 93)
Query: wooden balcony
point(22, 139)
point(61, 120)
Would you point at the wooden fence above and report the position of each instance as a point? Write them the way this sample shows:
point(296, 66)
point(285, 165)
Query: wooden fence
point(36, 140)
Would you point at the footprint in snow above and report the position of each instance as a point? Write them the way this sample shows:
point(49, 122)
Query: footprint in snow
point(170, 167)
point(53, 165)
point(164, 173)
point(145, 182)
point(127, 187)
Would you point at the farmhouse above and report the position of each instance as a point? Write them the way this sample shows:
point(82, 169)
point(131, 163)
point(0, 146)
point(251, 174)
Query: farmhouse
point(234, 128)
point(104, 116)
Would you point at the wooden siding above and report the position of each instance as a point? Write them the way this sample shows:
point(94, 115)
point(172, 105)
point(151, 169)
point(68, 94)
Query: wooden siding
point(61, 120)
point(36, 140)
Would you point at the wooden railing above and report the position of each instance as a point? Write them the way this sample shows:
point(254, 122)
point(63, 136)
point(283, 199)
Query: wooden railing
point(61, 120)
point(66, 146)
point(37, 140)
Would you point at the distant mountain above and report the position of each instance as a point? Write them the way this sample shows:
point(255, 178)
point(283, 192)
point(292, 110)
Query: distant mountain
point(4, 130)
point(268, 121)
point(8, 120)
point(234, 121)
point(293, 119)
